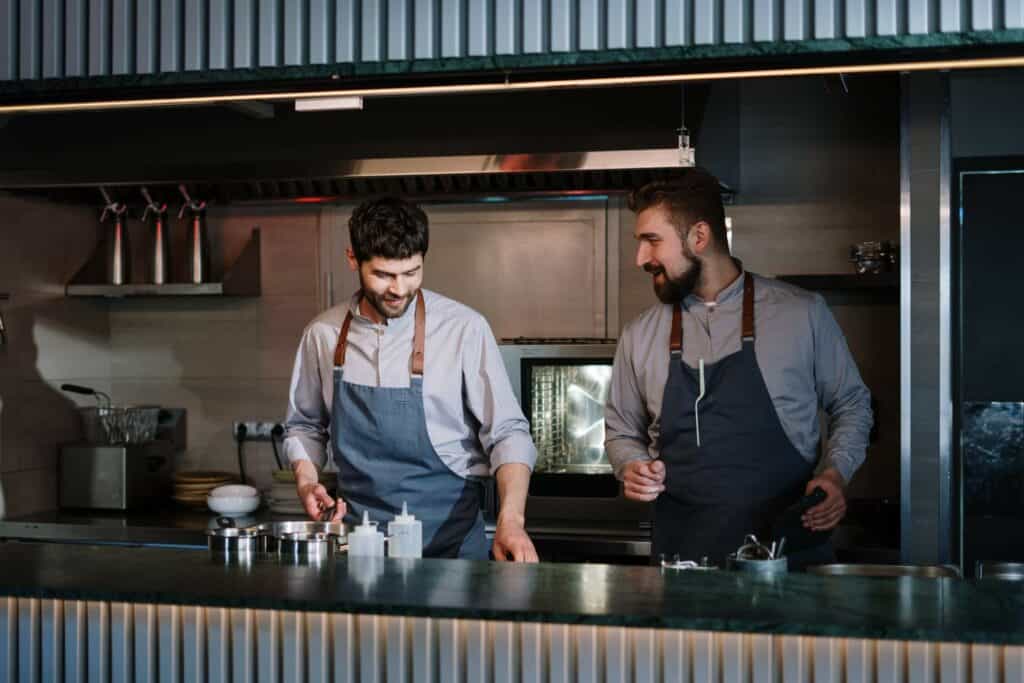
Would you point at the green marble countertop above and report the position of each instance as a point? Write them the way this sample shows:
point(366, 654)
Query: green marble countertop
point(913, 609)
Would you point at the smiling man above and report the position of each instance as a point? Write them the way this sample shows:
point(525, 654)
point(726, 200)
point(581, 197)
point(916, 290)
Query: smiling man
point(713, 409)
point(410, 390)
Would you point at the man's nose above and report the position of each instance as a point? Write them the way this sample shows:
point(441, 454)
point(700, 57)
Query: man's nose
point(643, 255)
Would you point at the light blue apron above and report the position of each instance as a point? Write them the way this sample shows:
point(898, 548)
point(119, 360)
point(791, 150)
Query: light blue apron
point(381, 445)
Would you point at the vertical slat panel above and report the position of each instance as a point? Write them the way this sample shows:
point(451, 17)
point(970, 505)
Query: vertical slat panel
point(952, 663)
point(1013, 664)
point(535, 26)
point(479, 23)
point(825, 19)
point(318, 633)
point(985, 664)
point(949, 14)
point(293, 647)
point(453, 29)
point(734, 21)
point(919, 16)
point(8, 40)
point(372, 36)
point(196, 42)
point(735, 660)
point(1014, 16)
point(827, 664)
point(399, 30)
point(591, 24)
point(531, 639)
point(268, 645)
point(589, 662)
point(52, 639)
point(219, 55)
point(193, 643)
point(243, 644)
point(76, 643)
point(397, 649)
point(171, 47)
point(705, 657)
point(269, 37)
point(508, 27)
point(856, 19)
point(348, 23)
point(122, 650)
point(30, 40)
point(983, 15)
point(76, 42)
point(428, 32)
point(8, 636)
point(560, 653)
point(98, 630)
point(620, 24)
point(646, 655)
point(321, 22)
point(764, 662)
point(169, 643)
point(794, 20)
point(505, 637)
point(860, 655)
point(704, 23)
point(424, 651)
point(123, 59)
point(144, 632)
point(371, 649)
point(218, 644)
point(28, 640)
point(765, 19)
point(616, 655)
point(53, 38)
point(99, 37)
point(887, 17)
point(889, 661)
point(675, 656)
point(147, 36)
point(345, 645)
point(921, 663)
point(244, 34)
point(648, 23)
point(450, 650)
point(295, 47)
point(563, 25)
point(478, 651)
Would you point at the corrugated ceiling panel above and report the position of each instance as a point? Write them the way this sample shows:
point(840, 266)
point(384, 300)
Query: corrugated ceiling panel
point(70, 38)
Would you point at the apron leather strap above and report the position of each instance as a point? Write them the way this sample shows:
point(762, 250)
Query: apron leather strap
point(676, 339)
point(419, 332)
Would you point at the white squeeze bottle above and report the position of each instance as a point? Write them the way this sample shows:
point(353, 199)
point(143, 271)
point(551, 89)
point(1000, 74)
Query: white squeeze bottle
point(405, 535)
point(364, 540)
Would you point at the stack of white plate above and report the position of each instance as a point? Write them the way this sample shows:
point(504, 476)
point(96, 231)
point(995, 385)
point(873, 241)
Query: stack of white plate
point(282, 498)
point(192, 488)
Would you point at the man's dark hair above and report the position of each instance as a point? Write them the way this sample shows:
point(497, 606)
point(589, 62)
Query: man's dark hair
point(693, 196)
point(388, 227)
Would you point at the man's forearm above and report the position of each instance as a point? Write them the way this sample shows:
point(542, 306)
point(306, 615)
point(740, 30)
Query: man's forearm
point(305, 473)
point(513, 485)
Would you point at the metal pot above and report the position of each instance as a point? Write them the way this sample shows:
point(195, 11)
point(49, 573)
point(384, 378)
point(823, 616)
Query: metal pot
point(303, 548)
point(927, 571)
point(1007, 571)
point(232, 541)
point(272, 533)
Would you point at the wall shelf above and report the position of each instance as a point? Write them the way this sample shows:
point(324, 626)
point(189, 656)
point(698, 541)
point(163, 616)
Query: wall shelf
point(846, 282)
point(241, 279)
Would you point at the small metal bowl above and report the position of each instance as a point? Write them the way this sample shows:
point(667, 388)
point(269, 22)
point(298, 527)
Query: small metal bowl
point(232, 541)
point(300, 547)
point(762, 568)
point(271, 533)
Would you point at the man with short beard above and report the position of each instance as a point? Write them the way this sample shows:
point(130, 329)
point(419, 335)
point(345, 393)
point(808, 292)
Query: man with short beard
point(713, 408)
point(411, 389)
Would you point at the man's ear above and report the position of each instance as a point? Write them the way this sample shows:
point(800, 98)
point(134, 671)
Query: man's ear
point(352, 262)
point(699, 237)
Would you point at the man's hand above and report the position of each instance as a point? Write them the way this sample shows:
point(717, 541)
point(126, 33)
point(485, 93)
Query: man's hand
point(828, 513)
point(643, 480)
point(313, 495)
point(511, 542)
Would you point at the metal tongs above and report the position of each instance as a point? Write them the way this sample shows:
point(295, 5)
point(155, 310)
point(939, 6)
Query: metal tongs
point(752, 549)
point(676, 563)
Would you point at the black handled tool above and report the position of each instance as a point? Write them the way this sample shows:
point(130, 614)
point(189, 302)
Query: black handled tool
point(790, 526)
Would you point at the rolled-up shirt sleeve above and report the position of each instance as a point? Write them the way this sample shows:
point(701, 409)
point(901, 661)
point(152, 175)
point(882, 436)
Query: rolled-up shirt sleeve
point(843, 394)
point(626, 420)
point(308, 419)
point(504, 432)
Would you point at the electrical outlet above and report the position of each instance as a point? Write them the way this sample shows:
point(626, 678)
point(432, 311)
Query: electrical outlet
point(256, 430)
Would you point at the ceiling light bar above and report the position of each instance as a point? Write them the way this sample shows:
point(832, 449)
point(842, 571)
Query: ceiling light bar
point(329, 103)
point(526, 86)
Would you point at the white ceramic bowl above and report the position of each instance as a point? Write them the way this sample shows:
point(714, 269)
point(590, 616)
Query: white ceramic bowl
point(235, 491)
point(232, 505)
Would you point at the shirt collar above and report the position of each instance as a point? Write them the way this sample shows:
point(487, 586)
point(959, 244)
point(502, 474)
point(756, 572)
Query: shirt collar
point(392, 324)
point(732, 290)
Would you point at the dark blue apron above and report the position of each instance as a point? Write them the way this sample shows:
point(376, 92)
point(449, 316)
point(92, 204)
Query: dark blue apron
point(745, 471)
point(380, 442)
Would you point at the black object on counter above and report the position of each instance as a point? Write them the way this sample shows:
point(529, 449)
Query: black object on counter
point(790, 526)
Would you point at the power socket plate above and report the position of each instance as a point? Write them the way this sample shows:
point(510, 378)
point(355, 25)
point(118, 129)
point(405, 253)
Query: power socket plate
point(256, 430)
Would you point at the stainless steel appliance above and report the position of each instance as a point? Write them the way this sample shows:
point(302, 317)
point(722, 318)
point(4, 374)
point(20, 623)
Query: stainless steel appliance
point(562, 385)
point(123, 476)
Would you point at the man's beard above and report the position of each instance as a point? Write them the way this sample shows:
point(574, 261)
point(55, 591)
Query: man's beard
point(388, 310)
point(674, 289)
